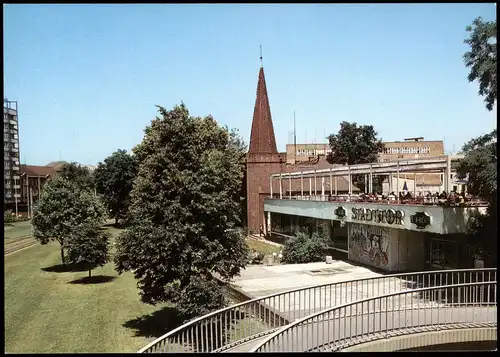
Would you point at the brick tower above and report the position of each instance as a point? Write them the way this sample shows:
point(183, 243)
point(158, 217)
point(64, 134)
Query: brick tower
point(263, 158)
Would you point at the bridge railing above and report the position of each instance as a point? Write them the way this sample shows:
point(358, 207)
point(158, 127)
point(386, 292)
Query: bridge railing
point(379, 317)
point(239, 323)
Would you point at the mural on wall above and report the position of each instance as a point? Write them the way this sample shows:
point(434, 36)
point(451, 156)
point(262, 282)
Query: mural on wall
point(369, 244)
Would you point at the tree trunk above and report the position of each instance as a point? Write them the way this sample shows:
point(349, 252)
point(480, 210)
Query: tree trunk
point(90, 273)
point(116, 221)
point(62, 255)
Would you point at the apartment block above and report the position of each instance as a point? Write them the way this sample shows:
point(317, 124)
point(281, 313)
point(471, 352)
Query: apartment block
point(411, 148)
point(11, 151)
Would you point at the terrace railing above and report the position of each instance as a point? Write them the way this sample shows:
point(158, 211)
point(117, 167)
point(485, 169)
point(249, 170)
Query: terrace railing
point(237, 324)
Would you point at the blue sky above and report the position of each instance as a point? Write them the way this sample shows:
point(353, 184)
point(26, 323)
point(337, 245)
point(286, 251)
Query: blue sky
point(88, 77)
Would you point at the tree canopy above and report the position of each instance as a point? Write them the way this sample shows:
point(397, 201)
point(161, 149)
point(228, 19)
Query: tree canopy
point(480, 165)
point(88, 246)
point(114, 180)
point(355, 144)
point(62, 208)
point(185, 206)
point(482, 58)
point(77, 174)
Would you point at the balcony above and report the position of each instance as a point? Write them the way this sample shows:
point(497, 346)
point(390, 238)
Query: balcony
point(15, 168)
point(16, 177)
point(14, 149)
point(12, 122)
point(17, 187)
point(415, 217)
point(6, 168)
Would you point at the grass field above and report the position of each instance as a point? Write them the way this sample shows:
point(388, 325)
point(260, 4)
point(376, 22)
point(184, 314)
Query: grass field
point(262, 247)
point(48, 309)
point(16, 231)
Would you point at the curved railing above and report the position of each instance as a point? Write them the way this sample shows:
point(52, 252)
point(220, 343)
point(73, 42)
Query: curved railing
point(249, 320)
point(459, 305)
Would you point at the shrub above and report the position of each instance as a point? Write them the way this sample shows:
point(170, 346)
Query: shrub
point(305, 248)
point(199, 297)
point(255, 257)
point(10, 217)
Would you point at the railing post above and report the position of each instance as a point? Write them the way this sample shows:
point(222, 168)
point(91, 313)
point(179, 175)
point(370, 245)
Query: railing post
point(310, 188)
point(315, 188)
point(397, 181)
point(331, 181)
point(350, 180)
point(290, 184)
point(281, 188)
point(271, 185)
point(301, 186)
point(371, 179)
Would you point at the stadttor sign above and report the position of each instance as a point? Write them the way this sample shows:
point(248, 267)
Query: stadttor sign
point(388, 216)
point(421, 220)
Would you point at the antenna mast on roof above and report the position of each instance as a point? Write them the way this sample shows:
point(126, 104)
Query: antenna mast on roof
point(261, 56)
point(294, 134)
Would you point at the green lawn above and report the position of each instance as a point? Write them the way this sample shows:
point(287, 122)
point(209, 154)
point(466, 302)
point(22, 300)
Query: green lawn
point(16, 231)
point(48, 310)
point(262, 247)
point(45, 312)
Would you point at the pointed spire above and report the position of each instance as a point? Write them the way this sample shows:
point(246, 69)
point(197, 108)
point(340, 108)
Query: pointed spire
point(262, 138)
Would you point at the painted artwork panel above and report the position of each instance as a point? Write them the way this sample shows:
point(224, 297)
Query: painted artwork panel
point(369, 245)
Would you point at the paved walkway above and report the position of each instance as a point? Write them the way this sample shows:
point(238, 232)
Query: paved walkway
point(259, 281)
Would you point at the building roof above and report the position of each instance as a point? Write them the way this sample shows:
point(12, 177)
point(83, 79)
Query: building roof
point(32, 170)
point(262, 138)
point(56, 163)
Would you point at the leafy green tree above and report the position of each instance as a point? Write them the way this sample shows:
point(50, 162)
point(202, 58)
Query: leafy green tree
point(355, 144)
point(63, 206)
point(184, 211)
point(78, 174)
point(114, 180)
point(482, 58)
point(480, 166)
point(89, 246)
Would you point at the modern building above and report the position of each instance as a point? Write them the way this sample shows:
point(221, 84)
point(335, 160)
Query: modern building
point(304, 152)
point(11, 152)
point(263, 159)
point(283, 198)
point(410, 148)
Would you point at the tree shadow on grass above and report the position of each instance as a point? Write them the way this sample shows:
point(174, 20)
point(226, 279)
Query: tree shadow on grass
point(156, 324)
point(98, 279)
point(60, 268)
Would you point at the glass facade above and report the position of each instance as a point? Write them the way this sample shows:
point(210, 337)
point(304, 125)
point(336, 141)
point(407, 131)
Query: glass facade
point(288, 225)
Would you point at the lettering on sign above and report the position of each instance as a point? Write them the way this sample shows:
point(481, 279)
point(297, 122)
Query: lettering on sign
point(388, 216)
point(421, 220)
point(340, 212)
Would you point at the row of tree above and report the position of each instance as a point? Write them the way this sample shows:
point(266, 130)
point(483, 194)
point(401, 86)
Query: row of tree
point(179, 194)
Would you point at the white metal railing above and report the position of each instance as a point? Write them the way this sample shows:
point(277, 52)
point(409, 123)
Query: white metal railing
point(226, 328)
point(420, 200)
point(380, 317)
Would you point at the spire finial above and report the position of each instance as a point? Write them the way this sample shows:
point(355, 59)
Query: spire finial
point(261, 55)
